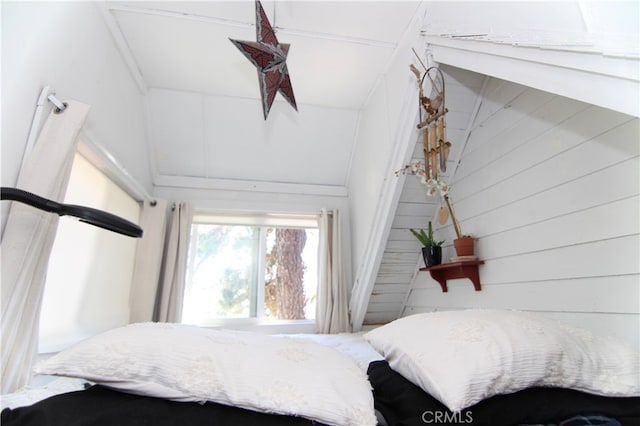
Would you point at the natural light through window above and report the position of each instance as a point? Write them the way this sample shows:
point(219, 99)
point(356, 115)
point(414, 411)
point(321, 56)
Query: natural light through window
point(251, 268)
point(90, 270)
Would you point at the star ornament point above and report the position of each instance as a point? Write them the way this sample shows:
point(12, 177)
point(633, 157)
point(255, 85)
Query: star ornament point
point(270, 59)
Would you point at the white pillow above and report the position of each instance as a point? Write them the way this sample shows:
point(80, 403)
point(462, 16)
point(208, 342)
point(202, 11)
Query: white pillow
point(463, 357)
point(248, 370)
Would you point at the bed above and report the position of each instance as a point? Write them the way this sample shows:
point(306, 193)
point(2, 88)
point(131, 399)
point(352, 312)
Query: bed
point(474, 367)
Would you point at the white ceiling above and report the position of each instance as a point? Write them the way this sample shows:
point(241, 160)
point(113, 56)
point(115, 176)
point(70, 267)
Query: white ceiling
point(205, 116)
point(338, 49)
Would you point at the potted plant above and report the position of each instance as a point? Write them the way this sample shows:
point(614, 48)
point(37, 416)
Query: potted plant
point(464, 244)
point(432, 249)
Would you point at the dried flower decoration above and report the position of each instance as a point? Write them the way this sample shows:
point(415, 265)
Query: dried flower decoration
point(433, 187)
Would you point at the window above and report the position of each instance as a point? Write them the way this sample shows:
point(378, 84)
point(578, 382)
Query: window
point(251, 268)
point(90, 269)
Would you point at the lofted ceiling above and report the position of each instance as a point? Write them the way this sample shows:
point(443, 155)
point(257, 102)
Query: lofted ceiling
point(204, 111)
point(338, 49)
point(203, 95)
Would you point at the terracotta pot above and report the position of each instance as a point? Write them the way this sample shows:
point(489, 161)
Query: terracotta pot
point(464, 246)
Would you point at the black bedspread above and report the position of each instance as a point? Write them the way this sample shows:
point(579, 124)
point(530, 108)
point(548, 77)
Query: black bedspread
point(399, 401)
point(99, 406)
point(403, 403)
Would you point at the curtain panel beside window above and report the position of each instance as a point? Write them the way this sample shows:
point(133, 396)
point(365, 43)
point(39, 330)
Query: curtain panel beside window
point(332, 309)
point(174, 264)
point(157, 290)
point(27, 242)
point(146, 271)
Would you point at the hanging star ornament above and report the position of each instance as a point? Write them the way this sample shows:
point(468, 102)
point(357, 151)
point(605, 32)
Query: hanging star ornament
point(269, 56)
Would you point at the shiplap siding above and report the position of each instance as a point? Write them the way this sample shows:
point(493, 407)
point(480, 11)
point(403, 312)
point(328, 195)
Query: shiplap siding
point(402, 254)
point(550, 188)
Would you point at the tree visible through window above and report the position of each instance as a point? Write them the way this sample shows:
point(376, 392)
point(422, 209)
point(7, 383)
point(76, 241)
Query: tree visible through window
point(248, 271)
point(284, 289)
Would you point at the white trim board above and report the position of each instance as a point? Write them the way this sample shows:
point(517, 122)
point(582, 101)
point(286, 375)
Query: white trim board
point(611, 82)
point(249, 185)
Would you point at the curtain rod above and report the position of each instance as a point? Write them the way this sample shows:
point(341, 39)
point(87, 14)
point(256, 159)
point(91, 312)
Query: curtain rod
point(117, 171)
point(60, 106)
point(45, 95)
point(99, 156)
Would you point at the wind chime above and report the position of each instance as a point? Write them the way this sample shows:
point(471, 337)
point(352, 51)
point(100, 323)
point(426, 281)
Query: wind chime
point(434, 141)
point(434, 144)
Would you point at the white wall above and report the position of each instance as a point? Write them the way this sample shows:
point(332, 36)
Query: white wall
point(550, 187)
point(381, 134)
point(67, 46)
point(226, 138)
point(578, 49)
point(386, 135)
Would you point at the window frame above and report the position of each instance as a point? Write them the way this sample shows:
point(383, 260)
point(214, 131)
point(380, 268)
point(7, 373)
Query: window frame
point(263, 221)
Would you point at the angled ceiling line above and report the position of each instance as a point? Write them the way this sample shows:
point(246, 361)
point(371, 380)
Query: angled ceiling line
point(248, 25)
point(470, 126)
point(412, 285)
point(407, 37)
point(235, 185)
point(123, 48)
point(336, 37)
point(179, 15)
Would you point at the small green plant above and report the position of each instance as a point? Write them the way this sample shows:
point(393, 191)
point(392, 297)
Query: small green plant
point(426, 238)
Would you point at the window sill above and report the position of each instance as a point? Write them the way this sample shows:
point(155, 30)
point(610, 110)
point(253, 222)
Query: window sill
point(267, 327)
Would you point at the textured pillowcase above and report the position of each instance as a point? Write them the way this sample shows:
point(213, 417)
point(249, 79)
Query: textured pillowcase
point(463, 357)
point(403, 403)
point(248, 370)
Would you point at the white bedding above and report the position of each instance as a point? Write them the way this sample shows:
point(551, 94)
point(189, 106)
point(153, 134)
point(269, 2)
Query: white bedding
point(34, 393)
point(352, 345)
point(463, 357)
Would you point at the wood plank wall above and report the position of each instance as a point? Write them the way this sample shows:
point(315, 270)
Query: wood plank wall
point(402, 253)
point(550, 187)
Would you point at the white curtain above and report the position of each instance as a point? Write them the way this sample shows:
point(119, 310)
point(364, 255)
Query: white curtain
point(27, 242)
point(174, 265)
point(332, 310)
point(146, 272)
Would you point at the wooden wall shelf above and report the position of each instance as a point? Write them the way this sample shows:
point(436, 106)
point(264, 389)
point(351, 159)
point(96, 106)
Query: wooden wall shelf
point(448, 271)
